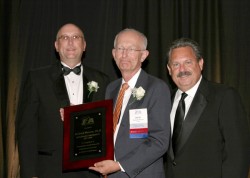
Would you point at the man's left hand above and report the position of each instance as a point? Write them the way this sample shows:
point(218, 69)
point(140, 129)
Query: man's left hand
point(106, 167)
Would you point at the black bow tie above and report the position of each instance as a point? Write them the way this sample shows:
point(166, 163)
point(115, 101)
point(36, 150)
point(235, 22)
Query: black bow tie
point(76, 70)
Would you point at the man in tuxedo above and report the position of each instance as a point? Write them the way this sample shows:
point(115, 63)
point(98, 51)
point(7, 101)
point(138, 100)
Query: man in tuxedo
point(65, 83)
point(141, 135)
point(212, 139)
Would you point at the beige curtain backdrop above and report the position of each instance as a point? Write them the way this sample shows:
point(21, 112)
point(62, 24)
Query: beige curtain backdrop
point(12, 67)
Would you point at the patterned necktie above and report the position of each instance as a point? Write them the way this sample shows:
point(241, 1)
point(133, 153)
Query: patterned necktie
point(118, 105)
point(179, 118)
point(76, 70)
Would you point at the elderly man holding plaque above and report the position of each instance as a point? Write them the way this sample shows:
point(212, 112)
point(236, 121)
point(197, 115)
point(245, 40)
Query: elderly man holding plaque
point(141, 113)
point(40, 128)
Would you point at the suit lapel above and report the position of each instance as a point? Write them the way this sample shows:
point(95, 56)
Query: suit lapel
point(59, 85)
point(86, 97)
point(141, 81)
point(114, 93)
point(89, 75)
point(196, 109)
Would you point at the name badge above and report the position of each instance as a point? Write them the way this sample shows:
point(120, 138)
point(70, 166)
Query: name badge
point(138, 119)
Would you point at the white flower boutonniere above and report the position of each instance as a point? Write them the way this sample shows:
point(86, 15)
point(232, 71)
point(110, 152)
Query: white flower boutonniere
point(138, 93)
point(92, 87)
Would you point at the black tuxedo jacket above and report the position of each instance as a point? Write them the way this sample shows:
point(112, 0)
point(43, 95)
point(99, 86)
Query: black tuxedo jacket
point(215, 139)
point(40, 129)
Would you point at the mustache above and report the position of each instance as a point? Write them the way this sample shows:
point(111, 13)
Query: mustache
point(184, 73)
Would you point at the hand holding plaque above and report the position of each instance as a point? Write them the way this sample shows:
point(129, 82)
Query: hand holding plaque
point(106, 167)
point(88, 134)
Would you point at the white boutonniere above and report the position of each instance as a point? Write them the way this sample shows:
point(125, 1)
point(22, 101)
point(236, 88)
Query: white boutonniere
point(138, 94)
point(92, 87)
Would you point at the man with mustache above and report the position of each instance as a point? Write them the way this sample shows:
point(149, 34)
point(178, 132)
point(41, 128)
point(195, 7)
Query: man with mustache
point(210, 133)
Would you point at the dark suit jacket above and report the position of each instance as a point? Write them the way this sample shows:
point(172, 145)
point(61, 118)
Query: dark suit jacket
point(40, 129)
point(142, 157)
point(215, 138)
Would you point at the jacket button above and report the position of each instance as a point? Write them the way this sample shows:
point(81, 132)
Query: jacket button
point(174, 163)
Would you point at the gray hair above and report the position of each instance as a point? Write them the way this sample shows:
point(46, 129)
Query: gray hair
point(184, 42)
point(144, 38)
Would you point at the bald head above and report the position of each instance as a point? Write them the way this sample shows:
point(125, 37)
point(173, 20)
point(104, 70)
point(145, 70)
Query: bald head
point(69, 27)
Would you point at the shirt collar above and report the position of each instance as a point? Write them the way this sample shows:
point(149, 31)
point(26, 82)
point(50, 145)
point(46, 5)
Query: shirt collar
point(133, 80)
point(191, 91)
point(68, 66)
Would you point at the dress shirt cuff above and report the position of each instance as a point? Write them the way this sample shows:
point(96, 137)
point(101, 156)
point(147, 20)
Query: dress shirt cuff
point(121, 167)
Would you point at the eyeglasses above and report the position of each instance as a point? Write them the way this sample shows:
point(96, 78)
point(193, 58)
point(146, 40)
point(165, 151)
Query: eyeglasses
point(67, 38)
point(128, 50)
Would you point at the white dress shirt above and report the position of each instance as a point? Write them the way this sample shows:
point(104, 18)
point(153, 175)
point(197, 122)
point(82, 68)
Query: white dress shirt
point(188, 100)
point(126, 97)
point(74, 85)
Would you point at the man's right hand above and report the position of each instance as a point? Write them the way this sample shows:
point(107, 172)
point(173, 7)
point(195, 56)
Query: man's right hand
point(62, 113)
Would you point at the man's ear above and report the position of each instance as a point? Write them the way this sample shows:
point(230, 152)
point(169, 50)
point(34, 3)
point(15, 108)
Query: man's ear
point(201, 62)
point(84, 46)
point(113, 53)
point(169, 70)
point(145, 54)
point(56, 45)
